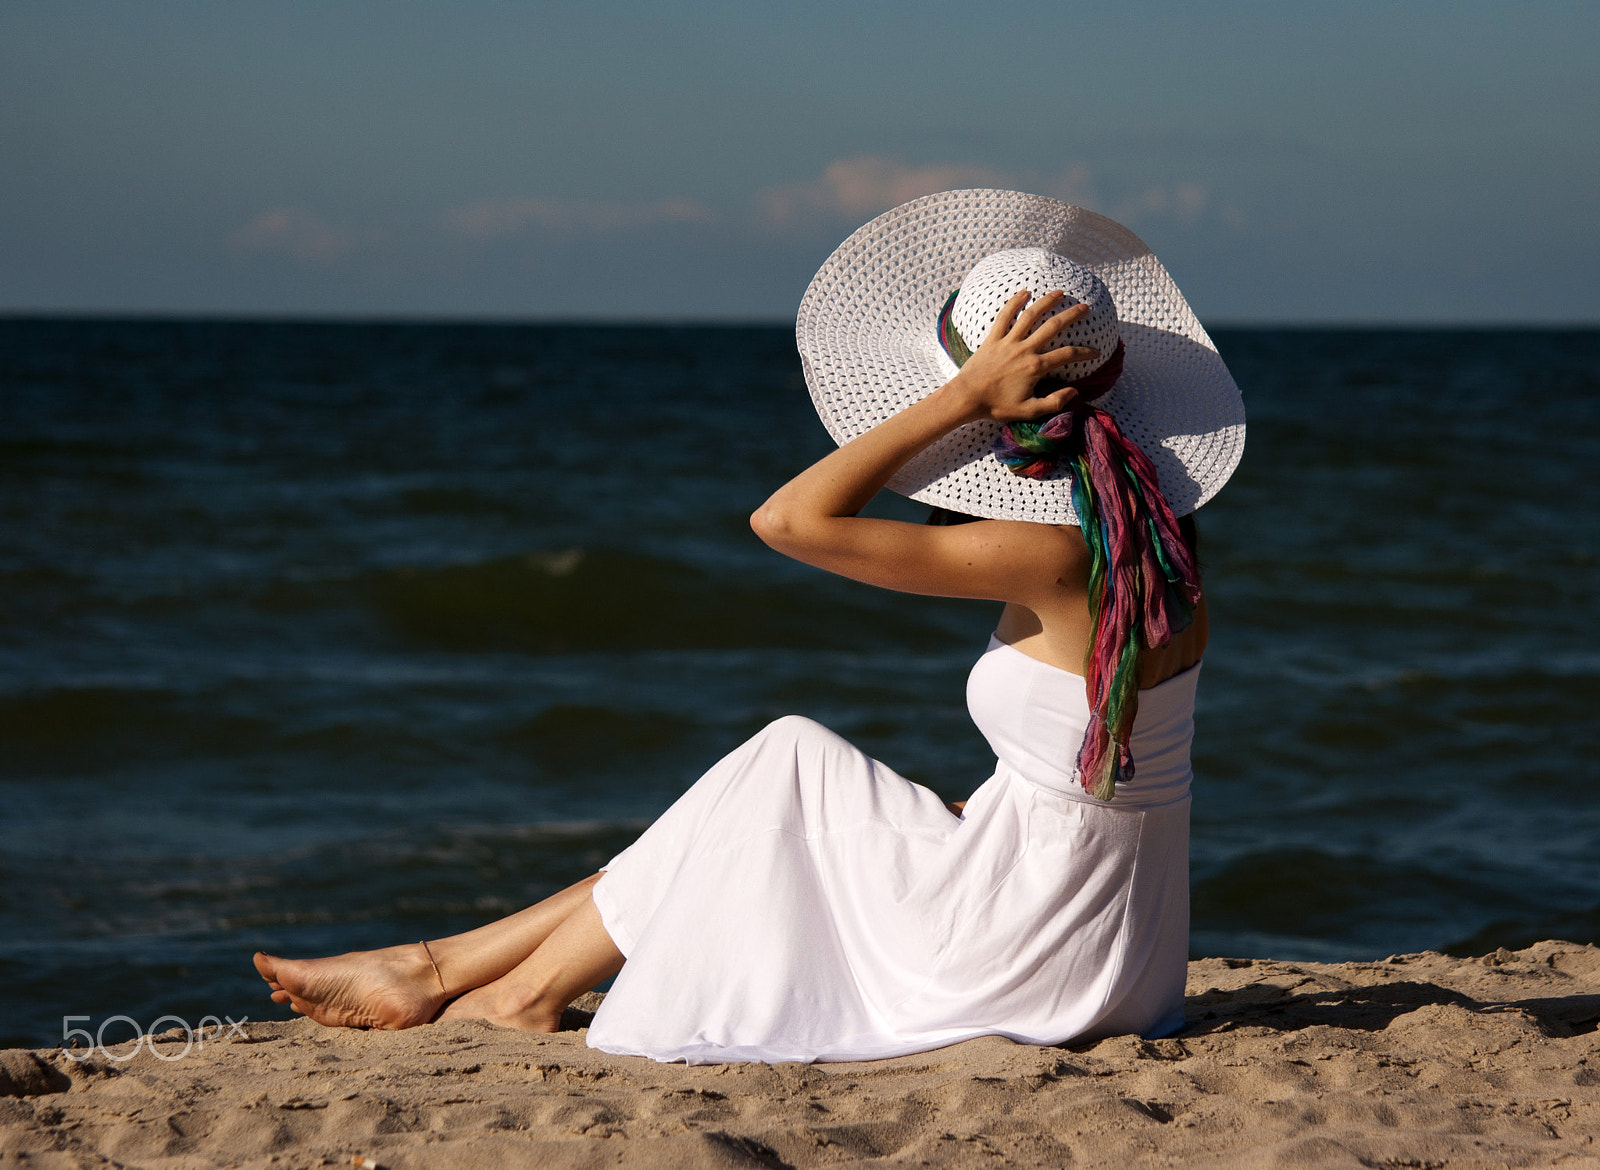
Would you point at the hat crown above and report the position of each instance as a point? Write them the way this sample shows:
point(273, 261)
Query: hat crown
point(995, 278)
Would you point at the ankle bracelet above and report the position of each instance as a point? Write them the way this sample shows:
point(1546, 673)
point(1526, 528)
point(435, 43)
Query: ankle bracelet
point(432, 962)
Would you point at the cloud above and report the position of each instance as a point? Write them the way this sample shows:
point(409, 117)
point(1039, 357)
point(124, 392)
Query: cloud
point(1184, 202)
point(293, 232)
point(490, 218)
point(1071, 184)
point(858, 187)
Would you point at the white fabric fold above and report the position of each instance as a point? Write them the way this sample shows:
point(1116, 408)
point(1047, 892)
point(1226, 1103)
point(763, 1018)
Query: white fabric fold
point(803, 901)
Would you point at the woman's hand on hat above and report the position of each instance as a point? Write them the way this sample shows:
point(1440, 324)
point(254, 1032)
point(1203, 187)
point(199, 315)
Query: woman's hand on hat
point(999, 381)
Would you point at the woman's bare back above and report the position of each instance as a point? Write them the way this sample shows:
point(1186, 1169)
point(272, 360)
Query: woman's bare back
point(1058, 632)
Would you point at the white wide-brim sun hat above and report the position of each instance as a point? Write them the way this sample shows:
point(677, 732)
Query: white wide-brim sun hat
point(868, 337)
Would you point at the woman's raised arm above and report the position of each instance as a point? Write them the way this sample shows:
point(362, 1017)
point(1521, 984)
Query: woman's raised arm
point(813, 518)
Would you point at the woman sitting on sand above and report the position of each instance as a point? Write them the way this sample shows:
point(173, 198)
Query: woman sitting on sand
point(802, 901)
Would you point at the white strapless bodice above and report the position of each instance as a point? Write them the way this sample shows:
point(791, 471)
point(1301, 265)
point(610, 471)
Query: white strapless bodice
point(1034, 716)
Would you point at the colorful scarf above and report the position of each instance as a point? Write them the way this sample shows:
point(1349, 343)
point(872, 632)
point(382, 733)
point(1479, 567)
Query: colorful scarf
point(1143, 582)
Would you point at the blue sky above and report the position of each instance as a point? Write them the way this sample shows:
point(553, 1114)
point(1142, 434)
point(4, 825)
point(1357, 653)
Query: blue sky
point(1289, 162)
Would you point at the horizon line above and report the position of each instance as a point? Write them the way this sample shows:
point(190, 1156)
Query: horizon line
point(492, 320)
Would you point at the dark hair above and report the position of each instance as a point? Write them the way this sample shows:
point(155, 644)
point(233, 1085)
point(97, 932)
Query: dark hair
point(944, 517)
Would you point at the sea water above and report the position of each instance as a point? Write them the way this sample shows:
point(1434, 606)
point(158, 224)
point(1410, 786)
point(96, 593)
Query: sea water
point(324, 636)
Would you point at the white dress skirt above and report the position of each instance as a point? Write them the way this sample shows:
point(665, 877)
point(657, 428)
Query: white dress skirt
point(802, 901)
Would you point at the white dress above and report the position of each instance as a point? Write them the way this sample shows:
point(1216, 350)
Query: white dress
point(802, 901)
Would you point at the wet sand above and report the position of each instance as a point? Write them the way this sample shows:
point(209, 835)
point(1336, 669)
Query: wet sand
point(1422, 1061)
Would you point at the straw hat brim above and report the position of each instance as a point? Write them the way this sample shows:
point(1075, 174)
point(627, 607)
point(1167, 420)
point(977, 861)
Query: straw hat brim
point(868, 343)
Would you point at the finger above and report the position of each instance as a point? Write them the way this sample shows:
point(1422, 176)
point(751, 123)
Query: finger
point(1008, 314)
point(1030, 318)
point(1053, 403)
point(1067, 354)
point(1065, 319)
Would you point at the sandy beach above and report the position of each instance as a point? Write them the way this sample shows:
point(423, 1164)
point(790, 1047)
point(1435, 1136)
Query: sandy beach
point(1419, 1060)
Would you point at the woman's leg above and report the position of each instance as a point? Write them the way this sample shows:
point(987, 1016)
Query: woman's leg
point(483, 955)
point(576, 956)
point(398, 987)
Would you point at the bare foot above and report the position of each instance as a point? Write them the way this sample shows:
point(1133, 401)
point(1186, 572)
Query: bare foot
point(503, 1005)
point(392, 988)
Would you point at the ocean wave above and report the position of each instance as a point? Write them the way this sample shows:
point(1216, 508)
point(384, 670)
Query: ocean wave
point(1352, 898)
point(76, 729)
point(587, 599)
point(1581, 925)
point(566, 736)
